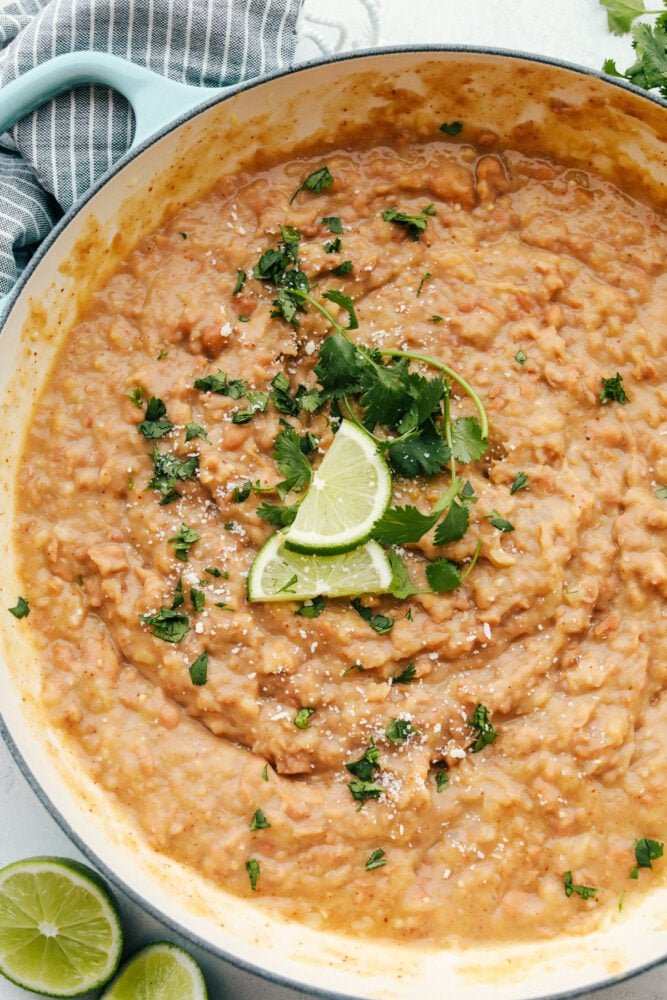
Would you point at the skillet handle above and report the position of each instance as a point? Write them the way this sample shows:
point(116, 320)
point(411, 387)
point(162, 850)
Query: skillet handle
point(155, 100)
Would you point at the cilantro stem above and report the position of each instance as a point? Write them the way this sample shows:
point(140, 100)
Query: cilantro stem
point(460, 381)
point(475, 557)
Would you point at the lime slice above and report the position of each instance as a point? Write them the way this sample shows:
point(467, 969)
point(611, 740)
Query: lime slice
point(348, 494)
point(280, 575)
point(161, 971)
point(60, 933)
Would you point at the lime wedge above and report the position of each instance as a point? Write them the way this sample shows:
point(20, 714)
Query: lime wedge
point(60, 933)
point(348, 494)
point(280, 575)
point(161, 971)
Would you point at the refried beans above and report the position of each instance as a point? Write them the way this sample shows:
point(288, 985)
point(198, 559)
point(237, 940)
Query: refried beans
point(541, 286)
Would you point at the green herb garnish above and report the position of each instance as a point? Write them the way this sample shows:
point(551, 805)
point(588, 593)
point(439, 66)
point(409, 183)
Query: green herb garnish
point(21, 609)
point(302, 717)
point(153, 425)
point(612, 390)
point(184, 538)
point(199, 669)
point(259, 821)
point(252, 868)
point(646, 851)
point(452, 128)
point(415, 224)
point(486, 734)
point(312, 608)
point(379, 623)
point(399, 730)
point(520, 482)
point(318, 181)
point(376, 860)
point(585, 891)
point(168, 624)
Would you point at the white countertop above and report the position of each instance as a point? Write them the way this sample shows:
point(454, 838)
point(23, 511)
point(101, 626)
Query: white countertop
point(572, 30)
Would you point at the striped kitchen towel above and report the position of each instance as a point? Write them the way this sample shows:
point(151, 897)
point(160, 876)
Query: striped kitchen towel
point(54, 155)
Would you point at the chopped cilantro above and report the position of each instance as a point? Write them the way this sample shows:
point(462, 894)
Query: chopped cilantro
point(443, 575)
point(258, 402)
point(422, 283)
point(241, 493)
point(136, 396)
point(437, 319)
point(184, 538)
point(265, 773)
point(312, 608)
point(376, 860)
point(361, 790)
point(486, 734)
point(252, 868)
point(240, 281)
point(585, 891)
point(198, 599)
point(521, 357)
point(193, 430)
point(406, 676)
point(318, 181)
point(501, 523)
point(333, 224)
point(168, 624)
point(520, 482)
point(21, 609)
point(403, 525)
point(153, 426)
point(365, 767)
point(612, 390)
point(379, 623)
point(259, 821)
point(345, 267)
point(399, 730)
point(661, 492)
point(452, 128)
point(301, 719)
point(167, 470)
point(415, 224)
point(646, 851)
point(164, 353)
point(401, 584)
point(219, 384)
point(441, 779)
point(217, 573)
point(276, 514)
point(333, 246)
point(199, 669)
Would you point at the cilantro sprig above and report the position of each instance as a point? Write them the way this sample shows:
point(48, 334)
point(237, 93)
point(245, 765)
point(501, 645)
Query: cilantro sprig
point(649, 71)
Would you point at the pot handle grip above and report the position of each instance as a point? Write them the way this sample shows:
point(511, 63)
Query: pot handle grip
point(156, 101)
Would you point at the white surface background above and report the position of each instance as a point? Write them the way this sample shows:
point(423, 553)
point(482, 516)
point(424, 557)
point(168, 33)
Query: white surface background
point(571, 30)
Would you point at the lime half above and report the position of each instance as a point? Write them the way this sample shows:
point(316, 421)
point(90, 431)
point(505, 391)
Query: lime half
point(280, 575)
point(348, 494)
point(60, 933)
point(161, 971)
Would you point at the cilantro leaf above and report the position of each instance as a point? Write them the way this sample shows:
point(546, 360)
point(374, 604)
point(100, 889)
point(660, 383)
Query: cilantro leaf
point(361, 791)
point(585, 891)
point(318, 181)
point(279, 515)
point(377, 859)
point(441, 779)
point(520, 483)
point(333, 224)
point(401, 584)
point(379, 623)
point(259, 821)
point(345, 267)
point(399, 730)
point(153, 426)
point(312, 608)
point(346, 303)
point(168, 624)
point(193, 430)
point(424, 453)
point(621, 14)
point(365, 767)
point(452, 128)
point(167, 470)
point(661, 492)
point(501, 523)
point(184, 539)
point(646, 851)
point(291, 461)
point(443, 575)
point(302, 716)
point(252, 868)
point(468, 445)
point(240, 281)
point(258, 402)
point(406, 676)
point(612, 390)
point(403, 525)
point(21, 609)
point(425, 396)
point(486, 734)
point(219, 384)
point(339, 367)
point(454, 526)
point(385, 393)
point(199, 669)
point(415, 224)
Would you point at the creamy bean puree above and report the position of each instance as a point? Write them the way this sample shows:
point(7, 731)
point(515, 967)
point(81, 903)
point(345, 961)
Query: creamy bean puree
point(545, 289)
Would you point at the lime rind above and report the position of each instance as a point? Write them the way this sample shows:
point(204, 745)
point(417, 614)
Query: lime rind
point(60, 932)
point(348, 494)
point(278, 574)
point(160, 971)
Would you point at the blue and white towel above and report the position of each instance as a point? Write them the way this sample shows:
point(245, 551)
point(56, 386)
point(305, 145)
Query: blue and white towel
point(54, 155)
